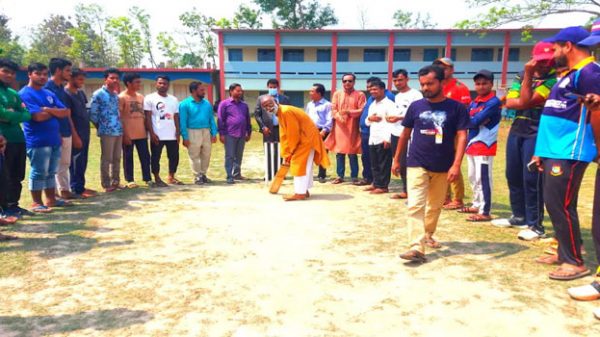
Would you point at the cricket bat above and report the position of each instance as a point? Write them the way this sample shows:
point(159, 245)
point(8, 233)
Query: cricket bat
point(279, 177)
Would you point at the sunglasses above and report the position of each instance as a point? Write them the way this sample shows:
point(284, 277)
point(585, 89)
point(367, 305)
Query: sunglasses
point(347, 81)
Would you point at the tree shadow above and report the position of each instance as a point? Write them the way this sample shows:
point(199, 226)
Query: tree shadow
point(496, 250)
point(100, 320)
point(60, 246)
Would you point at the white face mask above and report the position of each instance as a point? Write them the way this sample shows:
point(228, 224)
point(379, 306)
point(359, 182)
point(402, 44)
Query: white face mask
point(273, 91)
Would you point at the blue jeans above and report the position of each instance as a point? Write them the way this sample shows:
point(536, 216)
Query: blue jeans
point(365, 158)
point(525, 188)
point(341, 165)
point(44, 164)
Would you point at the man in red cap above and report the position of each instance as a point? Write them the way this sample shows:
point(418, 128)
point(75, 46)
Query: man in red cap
point(527, 96)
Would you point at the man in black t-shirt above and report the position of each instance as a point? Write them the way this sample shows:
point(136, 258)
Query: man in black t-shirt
point(435, 123)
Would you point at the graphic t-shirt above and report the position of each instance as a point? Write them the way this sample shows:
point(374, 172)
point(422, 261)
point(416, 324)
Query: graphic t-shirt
point(434, 130)
point(131, 109)
point(163, 114)
point(46, 133)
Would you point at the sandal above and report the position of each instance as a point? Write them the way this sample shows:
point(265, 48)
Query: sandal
point(588, 292)
point(61, 203)
point(468, 210)
point(479, 218)
point(337, 181)
point(432, 243)
point(414, 256)
point(175, 181)
point(568, 273)
point(41, 209)
point(6, 220)
point(131, 184)
point(453, 205)
point(401, 195)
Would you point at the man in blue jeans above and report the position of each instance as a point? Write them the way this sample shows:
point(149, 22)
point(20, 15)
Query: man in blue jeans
point(364, 136)
point(42, 137)
point(527, 96)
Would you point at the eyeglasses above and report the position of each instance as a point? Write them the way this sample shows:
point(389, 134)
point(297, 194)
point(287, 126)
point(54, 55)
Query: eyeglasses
point(347, 81)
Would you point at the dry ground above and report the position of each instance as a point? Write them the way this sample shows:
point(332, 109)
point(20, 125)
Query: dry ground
point(225, 260)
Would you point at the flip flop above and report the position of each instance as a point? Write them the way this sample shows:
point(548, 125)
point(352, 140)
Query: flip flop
point(62, 203)
point(568, 274)
point(588, 292)
point(431, 243)
point(400, 195)
point(453, 205)
point(548, 259)
point(414, 256)
point(41, 209)
point(175, 182)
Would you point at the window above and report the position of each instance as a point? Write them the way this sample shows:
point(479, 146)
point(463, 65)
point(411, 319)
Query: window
point(293, 55)
point(235, 55)
point(513, 54)
point(343, 55)
point(482, 54)
point(374, 55)
point(430, 54)
point(452, 53)
point(323, 55)
point(266, 55)
point(401, 55)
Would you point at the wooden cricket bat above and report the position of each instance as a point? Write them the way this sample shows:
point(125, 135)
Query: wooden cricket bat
point(278, 179)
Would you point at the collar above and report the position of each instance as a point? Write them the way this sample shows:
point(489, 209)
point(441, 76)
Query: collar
point(583, 63)
point(105, 88)
point(480, 99)
point(319, 102)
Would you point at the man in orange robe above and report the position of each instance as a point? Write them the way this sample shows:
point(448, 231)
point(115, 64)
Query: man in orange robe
point(346, 106)
point(301, 145)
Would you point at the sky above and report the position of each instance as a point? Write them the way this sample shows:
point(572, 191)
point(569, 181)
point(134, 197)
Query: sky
point(25, 14)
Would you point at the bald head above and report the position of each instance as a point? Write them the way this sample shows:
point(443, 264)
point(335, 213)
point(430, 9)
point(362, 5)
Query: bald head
point(268, 103)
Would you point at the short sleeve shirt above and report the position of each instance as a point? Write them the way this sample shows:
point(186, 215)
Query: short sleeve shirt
point(46, 133)
point(163, 114)
point(131, 109)
point(434, 126)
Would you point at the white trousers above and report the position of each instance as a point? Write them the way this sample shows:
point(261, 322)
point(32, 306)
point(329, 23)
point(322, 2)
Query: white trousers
point(63, 181)
point(480, 178)
point(304, 183)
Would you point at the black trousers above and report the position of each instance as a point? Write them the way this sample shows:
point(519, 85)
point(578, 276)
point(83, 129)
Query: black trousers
point(13, 173)
point(381, 165)
point(402, 161)
point(172, 154)
point(596, 216)
point(562, 180)
point(141, 146)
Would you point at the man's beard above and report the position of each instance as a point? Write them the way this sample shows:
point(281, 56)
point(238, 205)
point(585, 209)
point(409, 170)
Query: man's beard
point(560, 61)
point(430, 94)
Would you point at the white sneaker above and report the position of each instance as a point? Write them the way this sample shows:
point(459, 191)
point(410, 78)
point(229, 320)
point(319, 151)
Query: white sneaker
point(502, 223)
point(528, 235)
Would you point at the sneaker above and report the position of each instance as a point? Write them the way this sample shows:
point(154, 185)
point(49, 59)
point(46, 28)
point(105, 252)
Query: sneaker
point(511, 222)
point(205, 179)
point(322, 180)
point(199, 181)
point(501, 223)
point(230, 181)
point(529, 235)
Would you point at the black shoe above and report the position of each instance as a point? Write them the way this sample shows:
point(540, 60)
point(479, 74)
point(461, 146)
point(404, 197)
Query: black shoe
point(322, 180)
point(205, 179)
point(230, 181)
point(199, 181)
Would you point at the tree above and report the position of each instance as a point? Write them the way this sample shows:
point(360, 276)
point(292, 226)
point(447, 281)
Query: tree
point(9, 46)
point(50, 39)
point(198, 27)
point(143, 20)
point(407, 19)
point(91, 47)
point(169, 47)
point(298, 14)
point(128, 39)
point(247, 18)
point(529, 12)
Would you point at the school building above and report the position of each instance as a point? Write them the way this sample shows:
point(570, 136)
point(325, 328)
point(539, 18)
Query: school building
point(299, 58)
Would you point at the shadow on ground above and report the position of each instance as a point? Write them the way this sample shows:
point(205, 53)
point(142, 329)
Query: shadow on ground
point(48, 325)
point(495, 250)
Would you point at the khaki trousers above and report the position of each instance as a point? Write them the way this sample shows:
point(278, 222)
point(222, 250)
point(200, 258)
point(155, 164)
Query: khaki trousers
point(199, 150)
point(63, 181)
point(110, 160)
point(426, 195)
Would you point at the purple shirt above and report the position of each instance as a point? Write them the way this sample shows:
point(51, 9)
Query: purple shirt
point(234, 118)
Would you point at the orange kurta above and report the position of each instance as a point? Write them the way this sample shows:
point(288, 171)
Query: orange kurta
point(298, 135)
point(345, 133)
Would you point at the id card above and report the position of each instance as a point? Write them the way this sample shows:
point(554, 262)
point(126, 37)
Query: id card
point(439, 135)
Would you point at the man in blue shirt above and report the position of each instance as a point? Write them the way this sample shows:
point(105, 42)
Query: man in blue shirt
point(42, 137)
point(60, 69)
point(198, 130)
point(364, 136)
point(565, 146)
point(104, 113)
point(319, 110)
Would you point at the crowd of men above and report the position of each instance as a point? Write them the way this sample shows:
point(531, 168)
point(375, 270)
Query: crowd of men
point(419, 135)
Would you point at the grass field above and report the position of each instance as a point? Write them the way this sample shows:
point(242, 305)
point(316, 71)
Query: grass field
point(225, 260)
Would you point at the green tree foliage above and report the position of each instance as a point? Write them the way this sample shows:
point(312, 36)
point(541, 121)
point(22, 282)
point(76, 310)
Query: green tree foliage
point(169, 47)
point(143, 20)
point(91, 46)
point(408, 20)
point(298, 14)
point(247, 18)
point(50, 39)
point(528, 12)
point(9, 45)
point(128, 39)
point(199, 40)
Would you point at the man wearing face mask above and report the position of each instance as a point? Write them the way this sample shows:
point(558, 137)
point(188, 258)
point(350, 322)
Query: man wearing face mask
point(301, 145)
point(268, 124)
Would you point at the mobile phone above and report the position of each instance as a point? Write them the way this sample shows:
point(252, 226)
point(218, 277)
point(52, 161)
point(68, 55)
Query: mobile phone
point(532, 166)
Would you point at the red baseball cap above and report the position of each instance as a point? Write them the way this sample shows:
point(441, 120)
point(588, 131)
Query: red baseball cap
point(543, 51)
